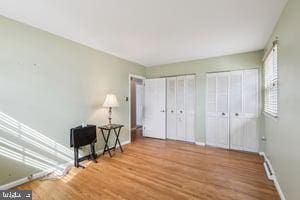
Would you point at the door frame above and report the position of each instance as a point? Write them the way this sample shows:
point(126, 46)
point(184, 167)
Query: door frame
point(129, 99)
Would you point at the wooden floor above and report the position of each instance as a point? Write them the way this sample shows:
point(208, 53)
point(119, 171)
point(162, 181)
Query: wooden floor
point(136, 134)
point(159, 169)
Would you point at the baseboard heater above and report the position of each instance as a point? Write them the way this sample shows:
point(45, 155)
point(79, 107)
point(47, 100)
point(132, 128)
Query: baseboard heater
point(268, 170)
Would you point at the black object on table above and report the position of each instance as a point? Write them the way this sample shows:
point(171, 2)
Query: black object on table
point(81, 136)
point(116, 129)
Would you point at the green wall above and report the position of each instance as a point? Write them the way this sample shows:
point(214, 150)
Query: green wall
point(200, 68)
point(283, 134)
point(48, 85)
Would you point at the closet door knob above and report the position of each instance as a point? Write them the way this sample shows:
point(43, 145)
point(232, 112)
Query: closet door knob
point(181, 111)
point(162, 111)
point(223, 114)
point(172, 111)
point(236, 114)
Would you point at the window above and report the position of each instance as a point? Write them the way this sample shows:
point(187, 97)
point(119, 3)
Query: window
point(271, 83)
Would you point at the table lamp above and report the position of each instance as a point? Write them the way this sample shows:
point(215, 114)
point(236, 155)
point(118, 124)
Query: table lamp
point(110, 102)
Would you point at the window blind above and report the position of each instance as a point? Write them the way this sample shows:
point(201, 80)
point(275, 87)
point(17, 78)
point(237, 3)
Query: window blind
point(271, 82)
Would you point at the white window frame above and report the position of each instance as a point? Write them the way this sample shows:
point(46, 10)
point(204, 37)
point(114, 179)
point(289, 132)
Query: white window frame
point(271, 83)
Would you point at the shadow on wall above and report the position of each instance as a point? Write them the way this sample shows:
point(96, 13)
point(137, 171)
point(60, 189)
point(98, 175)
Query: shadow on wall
point(23, 144)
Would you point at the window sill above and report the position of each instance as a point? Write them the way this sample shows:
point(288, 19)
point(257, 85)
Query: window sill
point(274, 118)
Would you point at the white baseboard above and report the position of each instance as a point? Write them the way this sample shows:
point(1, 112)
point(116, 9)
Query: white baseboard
point(34, 176)
point(200, 143)
point(44, 173)
point(21, 181)
point(280, 192)
point(272, 176)
point(125, 142)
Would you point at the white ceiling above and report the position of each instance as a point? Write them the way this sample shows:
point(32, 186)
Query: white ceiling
point(153, 32)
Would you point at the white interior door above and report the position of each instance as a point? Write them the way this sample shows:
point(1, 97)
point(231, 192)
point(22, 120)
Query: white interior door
point(222, 110)
point(139, 104)
point(190, 107)
point(250, 108)
point(171, 108)
point(180, 108)
point(236, 112)
point(155, 106)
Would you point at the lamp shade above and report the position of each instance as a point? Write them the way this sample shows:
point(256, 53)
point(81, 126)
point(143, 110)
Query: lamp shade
point(110, 101)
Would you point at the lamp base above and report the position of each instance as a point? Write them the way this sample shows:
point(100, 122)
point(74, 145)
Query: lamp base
point(109, 116)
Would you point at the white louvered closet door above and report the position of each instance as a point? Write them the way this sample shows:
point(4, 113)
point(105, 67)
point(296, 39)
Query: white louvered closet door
point(250, 108)
point(155, 105)
point(217, 109)
point(222, 110)
point(232, 103)
point(190, 107)
point(236, 115)
point(211, 109)
point(180, 108)
point(171, 108)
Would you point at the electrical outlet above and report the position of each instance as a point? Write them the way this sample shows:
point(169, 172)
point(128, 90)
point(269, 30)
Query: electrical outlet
point(30, 177)
point(35, 68)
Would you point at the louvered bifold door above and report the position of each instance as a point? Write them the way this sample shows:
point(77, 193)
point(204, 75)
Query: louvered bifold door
point(250, 109)
point(211, 109)
point(171, 108)
point(190, 107)
point(222, 110)
point(180, 108)
point(236, 115)
point(232, 107)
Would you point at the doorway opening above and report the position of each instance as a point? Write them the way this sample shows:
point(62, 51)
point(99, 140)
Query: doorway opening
point(136, 107)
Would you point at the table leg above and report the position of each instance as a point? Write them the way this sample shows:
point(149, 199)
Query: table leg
point(93, 156)
point(117, 139)
point(75, 157)
point(106, 147)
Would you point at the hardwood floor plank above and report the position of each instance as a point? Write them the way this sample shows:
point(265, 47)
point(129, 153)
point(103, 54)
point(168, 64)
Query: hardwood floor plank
point(163, 169)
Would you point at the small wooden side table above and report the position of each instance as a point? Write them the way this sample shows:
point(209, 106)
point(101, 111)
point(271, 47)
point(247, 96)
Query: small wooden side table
point(116, 128)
